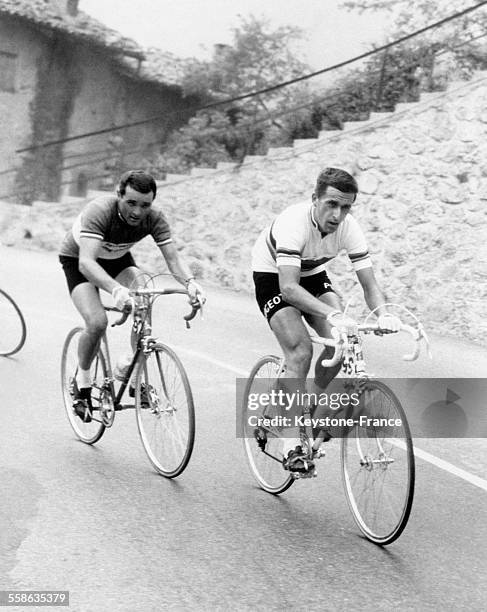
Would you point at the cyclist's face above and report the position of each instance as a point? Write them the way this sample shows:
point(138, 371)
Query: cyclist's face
point(134, 206)
point(331, 208)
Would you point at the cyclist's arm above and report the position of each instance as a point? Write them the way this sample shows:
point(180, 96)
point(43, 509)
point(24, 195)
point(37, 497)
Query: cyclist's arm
point(374, 297)
point(88, 252)
point(293, 293)
point(178, 268)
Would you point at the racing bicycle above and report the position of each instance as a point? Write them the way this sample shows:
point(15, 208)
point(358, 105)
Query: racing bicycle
point(14, 330)
point(162, 395)
point(377, 458)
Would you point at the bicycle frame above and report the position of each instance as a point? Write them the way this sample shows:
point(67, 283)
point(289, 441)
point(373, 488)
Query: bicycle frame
point(142, 328)
point(163, 401)
point(378, 481)
point(117, 396)
point(348, 349)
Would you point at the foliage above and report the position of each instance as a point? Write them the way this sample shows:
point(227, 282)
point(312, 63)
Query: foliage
point(258, 58)
point(458, 42)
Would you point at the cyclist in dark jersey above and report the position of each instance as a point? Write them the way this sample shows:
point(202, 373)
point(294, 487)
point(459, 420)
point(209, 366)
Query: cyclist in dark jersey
point(95, 254)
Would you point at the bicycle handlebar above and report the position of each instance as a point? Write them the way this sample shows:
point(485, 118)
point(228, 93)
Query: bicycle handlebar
point(195, 306)
point(341, 342)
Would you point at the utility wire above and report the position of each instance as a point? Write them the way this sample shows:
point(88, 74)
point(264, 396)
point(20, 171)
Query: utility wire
point(269, 89)
point(317, 100)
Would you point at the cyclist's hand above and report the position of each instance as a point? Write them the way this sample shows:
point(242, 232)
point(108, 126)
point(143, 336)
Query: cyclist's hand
point(343, 322)
point(389, 323)
point(195, 292)
point(121, 297)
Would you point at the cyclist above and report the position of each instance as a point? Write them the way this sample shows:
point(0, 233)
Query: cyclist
point(289, 270)
point(95, 254)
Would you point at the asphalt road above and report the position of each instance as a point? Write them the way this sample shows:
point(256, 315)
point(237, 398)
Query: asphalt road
point(99, 522)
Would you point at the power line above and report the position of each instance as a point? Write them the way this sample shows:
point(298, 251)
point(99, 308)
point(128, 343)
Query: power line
point(269, 89)
point(330, 98)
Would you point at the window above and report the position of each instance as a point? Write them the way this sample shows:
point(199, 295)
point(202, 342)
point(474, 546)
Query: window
point(7, 71)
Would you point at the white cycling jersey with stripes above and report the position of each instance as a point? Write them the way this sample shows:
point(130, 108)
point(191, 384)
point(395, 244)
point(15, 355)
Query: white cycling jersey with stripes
point(294, 239)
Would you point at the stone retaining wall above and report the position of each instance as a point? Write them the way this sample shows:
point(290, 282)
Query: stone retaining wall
point(422, 173)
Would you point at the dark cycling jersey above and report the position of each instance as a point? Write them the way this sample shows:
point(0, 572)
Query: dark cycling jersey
point(101, 220)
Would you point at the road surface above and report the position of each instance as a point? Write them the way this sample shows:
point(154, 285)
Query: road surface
point(98, 522)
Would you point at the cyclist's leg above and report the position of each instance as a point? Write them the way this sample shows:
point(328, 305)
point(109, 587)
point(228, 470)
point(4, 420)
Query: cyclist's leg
point(290, 331)
point(128, 274)
point(323, 376)
point(87, 301)
point(130, 277)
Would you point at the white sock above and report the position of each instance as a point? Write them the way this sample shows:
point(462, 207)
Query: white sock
point(83, 378)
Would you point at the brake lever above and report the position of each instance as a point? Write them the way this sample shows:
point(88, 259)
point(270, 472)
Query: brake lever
point(195, 306)
point(125, 315)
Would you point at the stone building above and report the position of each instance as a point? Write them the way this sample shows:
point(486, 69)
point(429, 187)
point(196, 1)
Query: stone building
point(63, 74)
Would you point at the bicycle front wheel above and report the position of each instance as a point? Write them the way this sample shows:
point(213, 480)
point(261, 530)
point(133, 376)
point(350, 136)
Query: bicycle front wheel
point(14, 331)
point(165, 411)
point(378, 465)
point(86, 432)
point(264, 445)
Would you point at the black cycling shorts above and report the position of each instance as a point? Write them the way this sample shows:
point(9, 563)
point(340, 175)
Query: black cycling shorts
point(112, 267)
point(268, 292)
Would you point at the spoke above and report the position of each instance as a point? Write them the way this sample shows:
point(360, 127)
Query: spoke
point(166, 427)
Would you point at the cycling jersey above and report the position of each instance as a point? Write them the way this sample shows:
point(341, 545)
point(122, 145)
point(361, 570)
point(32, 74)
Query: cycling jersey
point(294, 239)
point(102, 221)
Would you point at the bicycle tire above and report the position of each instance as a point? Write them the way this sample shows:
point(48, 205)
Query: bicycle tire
point(14, 329)
point(165, 411)
point(378, 467)
point(89, 433)
point(267, 470)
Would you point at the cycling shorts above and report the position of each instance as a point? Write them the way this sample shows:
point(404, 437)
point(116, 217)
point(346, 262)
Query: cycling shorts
point(112, 267)
point(268, 292)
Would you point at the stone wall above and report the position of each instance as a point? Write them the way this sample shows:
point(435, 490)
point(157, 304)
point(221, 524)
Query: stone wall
point(422, 172)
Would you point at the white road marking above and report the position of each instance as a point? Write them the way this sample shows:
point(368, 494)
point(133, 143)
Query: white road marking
point(444, 465)
point(453, 469)
point(439, 463)
point(205, 357)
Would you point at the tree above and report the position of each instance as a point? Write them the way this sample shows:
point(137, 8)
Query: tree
point(456, 48)
point(258, 58)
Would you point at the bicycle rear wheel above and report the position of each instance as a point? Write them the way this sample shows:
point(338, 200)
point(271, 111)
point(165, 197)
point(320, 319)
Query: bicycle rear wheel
point(165, 411)
point(86, 432)
point(265, 463)
point(14, 331)
point(378, 465)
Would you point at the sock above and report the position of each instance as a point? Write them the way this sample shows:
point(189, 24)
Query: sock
point(83, 378)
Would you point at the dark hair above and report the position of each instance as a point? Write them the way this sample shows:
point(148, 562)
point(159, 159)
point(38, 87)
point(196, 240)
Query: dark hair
point(138, 180)
point(334, 177)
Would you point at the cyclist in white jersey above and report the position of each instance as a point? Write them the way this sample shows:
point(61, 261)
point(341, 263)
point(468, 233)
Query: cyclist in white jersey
point(288, 263)
point(96, 254)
